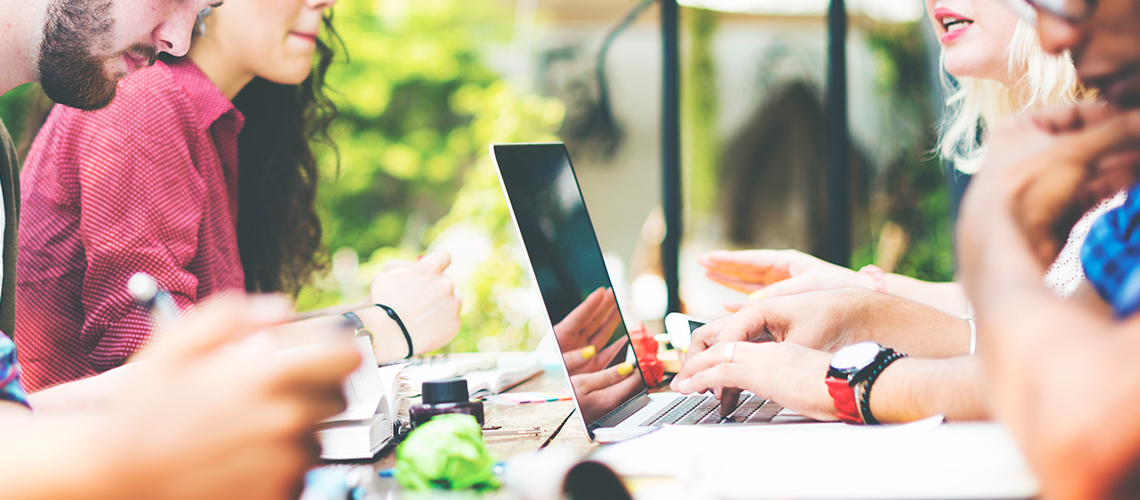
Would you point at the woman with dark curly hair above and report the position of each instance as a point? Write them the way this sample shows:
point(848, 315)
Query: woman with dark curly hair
point(202, 174)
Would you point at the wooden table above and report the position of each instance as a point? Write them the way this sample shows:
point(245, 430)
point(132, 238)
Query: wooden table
point(561, 427)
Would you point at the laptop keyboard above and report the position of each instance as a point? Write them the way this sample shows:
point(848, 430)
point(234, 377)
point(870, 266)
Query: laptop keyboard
point(700, 409)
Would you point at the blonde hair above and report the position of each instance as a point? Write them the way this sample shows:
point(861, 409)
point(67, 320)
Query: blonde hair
point(1039, 80)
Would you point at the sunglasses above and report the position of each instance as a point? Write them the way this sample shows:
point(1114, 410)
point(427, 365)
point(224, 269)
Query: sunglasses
point(1072, 11)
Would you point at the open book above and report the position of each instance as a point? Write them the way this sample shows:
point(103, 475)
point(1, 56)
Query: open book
point(374, 405)
point(486, 374)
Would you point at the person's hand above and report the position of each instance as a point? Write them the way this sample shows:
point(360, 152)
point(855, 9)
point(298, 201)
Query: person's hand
point(828, 320)
point(219, 415)
point(778, 272)
point(820, 320)
point(1048, 168)
point(789, 374)
point(423, 298)
point(600, 392)
point(588, 360)
point(815, 319)
point(592, 323)
point(582, 334)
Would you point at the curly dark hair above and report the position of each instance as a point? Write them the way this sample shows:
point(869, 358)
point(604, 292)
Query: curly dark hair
point(279, 231)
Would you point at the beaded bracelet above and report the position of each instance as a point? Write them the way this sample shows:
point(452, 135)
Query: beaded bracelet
point(865, 398)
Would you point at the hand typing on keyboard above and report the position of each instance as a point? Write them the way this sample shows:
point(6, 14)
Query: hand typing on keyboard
point(788, 374)
point(830, 319)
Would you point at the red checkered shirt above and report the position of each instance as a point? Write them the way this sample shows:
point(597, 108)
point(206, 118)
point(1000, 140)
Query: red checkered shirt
point(147, 184)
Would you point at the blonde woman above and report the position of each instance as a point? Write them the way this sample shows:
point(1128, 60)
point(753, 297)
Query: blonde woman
point(1000, 71)
point(825, 319)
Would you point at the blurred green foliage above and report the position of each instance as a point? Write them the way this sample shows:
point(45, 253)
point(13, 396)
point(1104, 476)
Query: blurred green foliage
point(701, 103)
point(13, 108)
point(917, 197)
point(418, 108)
point(499, 115)
point(403, 136)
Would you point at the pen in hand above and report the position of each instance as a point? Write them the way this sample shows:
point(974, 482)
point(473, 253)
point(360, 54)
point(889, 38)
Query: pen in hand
point(157, 301)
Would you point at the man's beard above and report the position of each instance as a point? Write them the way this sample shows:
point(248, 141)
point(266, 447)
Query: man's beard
point(69, 73)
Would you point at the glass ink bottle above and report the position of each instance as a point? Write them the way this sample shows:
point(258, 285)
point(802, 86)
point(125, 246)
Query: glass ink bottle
point(444, 396)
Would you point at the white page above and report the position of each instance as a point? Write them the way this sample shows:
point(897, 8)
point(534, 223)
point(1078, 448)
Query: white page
point(833, 461)
point(509, 371)
point(364, 387)
point(391, 379)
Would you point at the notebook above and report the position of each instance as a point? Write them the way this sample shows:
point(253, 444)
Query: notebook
point(566, 263)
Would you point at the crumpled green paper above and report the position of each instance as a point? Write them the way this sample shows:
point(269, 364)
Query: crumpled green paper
point(446, 453)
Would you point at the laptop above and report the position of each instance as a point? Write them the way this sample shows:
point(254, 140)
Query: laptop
point(566, 263)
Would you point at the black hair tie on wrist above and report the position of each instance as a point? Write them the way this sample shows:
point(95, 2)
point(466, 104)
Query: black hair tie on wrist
point(395, 317)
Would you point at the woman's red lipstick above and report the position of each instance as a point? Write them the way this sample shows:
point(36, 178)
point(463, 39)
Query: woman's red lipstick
point(307, 36)
point(954, 25)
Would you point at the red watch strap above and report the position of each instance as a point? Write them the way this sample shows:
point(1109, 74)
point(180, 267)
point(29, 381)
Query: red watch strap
point(847, 409)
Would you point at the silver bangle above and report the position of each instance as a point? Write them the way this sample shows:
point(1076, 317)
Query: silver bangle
point(973, 336)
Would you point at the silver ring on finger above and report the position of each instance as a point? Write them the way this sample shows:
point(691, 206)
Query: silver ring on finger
point(729, 350)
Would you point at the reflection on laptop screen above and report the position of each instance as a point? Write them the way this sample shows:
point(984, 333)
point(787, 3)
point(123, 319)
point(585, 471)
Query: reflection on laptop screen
point(559, 238)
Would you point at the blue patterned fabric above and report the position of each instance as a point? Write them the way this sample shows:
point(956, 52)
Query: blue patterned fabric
point(1111, 255)
point(10, 388)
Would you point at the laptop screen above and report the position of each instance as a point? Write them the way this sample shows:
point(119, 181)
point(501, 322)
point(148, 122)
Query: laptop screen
point(551, 216)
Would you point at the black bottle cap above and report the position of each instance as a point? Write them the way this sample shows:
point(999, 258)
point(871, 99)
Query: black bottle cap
point(448, 390)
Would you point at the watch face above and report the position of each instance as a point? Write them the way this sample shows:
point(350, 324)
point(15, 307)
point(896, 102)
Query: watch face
point(855, 357)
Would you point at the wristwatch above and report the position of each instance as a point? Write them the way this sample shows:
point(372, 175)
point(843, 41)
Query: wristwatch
point(853, 369)
point(358, 327)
